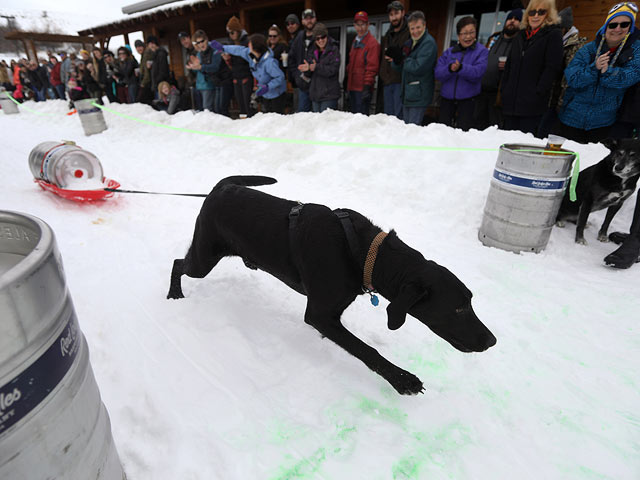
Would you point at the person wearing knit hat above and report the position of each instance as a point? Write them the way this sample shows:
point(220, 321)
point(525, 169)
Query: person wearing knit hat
point(240, 70)
point(599, 76)
point(515, 13)
point(323, 68)
point(293, 25)
point(626, 9)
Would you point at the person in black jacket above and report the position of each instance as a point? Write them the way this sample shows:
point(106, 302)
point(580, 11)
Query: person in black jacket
point(38, 77)
point(395, 38)
point(240, 71)
point(323, 66)
point(489, 110)
point(298, 53)
point(533, 64)
point(160, 66)
point(126, 75)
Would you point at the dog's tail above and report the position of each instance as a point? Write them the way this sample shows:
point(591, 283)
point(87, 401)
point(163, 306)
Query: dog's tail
point(246, 181)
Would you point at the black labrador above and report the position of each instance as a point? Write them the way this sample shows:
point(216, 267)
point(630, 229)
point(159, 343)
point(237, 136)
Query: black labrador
point(323, 254)
point(607, 184)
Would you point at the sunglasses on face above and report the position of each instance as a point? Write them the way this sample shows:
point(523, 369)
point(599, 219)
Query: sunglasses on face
point(541, 11)
point(291, 23)
point(198, 42)
point(612, 25)
point(273, 36)
point(321, 37)
point(632, 6)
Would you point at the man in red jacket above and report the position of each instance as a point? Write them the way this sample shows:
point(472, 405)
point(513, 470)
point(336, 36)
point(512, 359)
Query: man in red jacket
point(364, 61)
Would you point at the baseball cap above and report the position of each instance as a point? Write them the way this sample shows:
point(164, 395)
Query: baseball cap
point(183, 34)
point(362, 16)
point(308, 13)
point(292, 18)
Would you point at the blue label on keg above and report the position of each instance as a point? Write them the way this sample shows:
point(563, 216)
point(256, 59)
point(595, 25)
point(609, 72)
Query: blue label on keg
point(85, 111)
point(537, 183)
point(25, 392)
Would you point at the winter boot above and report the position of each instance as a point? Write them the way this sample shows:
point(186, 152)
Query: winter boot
point(618, 237)
point(626, 255)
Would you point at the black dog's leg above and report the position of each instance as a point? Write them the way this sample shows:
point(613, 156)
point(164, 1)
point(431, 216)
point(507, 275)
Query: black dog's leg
point(611, 212)
point(175, 287)
point(329, 326)
point(583, 216)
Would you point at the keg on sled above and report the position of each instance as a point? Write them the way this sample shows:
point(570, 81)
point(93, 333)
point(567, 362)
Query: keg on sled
point(64, 164)
point(524, 198)
point(53, 423)
point(8, 106)
point(91, 116)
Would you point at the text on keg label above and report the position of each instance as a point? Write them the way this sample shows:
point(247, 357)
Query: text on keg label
point(13, 232)
point(8, 399)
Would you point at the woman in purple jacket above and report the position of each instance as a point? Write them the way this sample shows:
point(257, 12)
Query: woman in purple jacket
point(460, 70)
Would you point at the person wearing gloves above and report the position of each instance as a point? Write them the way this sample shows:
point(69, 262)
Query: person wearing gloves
point(322, 67)
point(363, 66)
point(460, 70)
point(599, 75)
point(265, 69)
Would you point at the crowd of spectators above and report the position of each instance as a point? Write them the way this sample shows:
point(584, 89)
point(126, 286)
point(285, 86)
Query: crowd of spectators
point(537, 75)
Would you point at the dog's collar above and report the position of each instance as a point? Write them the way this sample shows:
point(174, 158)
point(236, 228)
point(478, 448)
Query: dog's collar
point(371, 260)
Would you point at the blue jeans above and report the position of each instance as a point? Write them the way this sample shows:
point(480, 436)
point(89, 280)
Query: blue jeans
point(413, 114)
point(208, 96)
point(392, 100)
point(304, 101)
point(41, 94)
point(357, 105)
point(60, 91)
point(132, 92)
point(222, 97)
point(322, 106)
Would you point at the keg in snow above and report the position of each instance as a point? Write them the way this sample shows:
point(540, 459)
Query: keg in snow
point(53, 423)
point(66, 165)
point(525, 195)
point(90, 116)
point(8, 106)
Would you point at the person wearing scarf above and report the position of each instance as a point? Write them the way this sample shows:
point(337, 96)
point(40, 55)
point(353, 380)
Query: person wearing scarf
point(599, 75)
point(533, 64)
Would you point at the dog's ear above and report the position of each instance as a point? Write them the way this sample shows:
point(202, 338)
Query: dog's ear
point(610, 143)
point(399, 306)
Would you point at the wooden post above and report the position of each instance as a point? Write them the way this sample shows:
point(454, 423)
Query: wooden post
point(192, 26)
point(126, 39)
point(244, 20)
point(32, 47)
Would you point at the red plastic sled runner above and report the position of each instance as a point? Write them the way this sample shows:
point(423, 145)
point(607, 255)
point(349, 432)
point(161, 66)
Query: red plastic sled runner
point(81, 195)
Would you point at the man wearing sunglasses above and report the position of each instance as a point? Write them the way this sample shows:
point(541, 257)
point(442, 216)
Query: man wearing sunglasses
point(599, 75)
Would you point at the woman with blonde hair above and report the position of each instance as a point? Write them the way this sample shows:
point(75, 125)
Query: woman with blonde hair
point(168, 98)
point(533, 64)
point(277, 45)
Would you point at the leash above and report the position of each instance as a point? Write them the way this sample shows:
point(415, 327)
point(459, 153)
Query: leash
point(117, 190)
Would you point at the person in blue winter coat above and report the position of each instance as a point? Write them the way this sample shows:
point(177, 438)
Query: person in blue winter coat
point(416, 60)
point(322, 69)
point(460, 70)
point(599, 75)
point(264, 68)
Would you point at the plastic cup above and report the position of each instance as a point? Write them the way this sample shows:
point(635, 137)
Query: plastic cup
point(554, 143)
point(284, 57)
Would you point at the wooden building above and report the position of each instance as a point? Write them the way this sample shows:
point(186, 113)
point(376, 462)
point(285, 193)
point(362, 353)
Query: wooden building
point(258, 15)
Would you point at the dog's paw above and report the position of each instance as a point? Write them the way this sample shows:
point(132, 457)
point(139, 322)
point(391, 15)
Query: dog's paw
point(603, 237)
point(407, 383)
point(560, 224)
point(581, 241)
point(175, 295)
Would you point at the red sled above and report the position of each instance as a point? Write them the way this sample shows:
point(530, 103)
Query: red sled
point(81, 195)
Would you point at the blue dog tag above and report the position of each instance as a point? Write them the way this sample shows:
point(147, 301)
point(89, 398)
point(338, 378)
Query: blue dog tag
point(374, 300)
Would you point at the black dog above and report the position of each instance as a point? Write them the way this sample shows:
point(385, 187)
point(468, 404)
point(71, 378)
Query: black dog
point(324, 254)
point(608, 183)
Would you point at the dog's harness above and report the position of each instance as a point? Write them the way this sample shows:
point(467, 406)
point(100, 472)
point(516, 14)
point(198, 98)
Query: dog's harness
point(354, 247)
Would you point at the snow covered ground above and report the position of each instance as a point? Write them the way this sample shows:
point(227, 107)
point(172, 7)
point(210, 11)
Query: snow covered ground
point(230, 383)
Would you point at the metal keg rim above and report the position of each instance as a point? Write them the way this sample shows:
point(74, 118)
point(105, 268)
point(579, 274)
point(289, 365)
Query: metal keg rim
point(34, 259)
point(521, 149)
